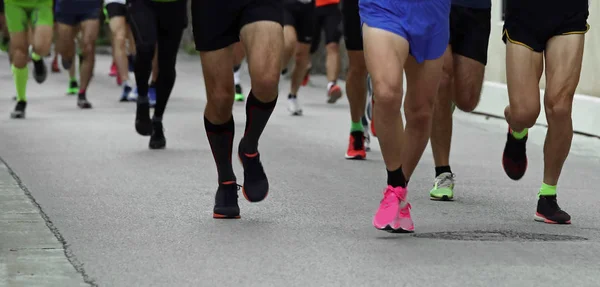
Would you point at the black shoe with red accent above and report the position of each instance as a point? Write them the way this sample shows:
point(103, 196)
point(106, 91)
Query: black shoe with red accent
point(514, 158)
point(256, 185)
point(226, 202)
point(548, 211)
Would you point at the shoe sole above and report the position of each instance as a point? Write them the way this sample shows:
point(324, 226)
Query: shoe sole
point(356, 157)
point(443, 198)
point(334, 96)
point(12, 116)
point(389, 229)
point(244, 188)
point(299, 113)
point(223, 216)
point(542, 219)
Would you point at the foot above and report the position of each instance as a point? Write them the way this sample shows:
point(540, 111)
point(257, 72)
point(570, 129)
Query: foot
point(152, 96)
point(226, 202)
point(19, 112)
point(84, 104)
point(334, 94)
point(73, 88)
point(113, 70)
point(256, 185)
point(366, 133)
point(157, 139)
point(40, 71)
point(356, 146)
point(143, 124)
point(548, 211)
point(294, 107)
point(55, 68)
point(239, 96)
point(132, 97)
point(393, 214)
point(514, 158)
point(125, 94)
point(306, 77)
point(443, 187)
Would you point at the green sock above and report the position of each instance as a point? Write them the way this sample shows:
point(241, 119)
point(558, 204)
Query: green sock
point(21, 76)
point(35, 56)
point(356, 127)
point(74, 79)
point(521, 134)
point(547, 190)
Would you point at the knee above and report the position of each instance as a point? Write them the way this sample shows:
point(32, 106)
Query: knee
point(88, 49)
point(42, 50)
point(447, 77)
point(266, 85)
point(332, 47)
point(19, 57)
point(119, 40)
point(357, 70)
point(302, 59)
point(220, 100)
point(558, 106)
point(388, 97)
point(467, 100)
point(524, 115)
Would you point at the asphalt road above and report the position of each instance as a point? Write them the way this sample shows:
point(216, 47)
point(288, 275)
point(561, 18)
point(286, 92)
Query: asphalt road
point(135, 217)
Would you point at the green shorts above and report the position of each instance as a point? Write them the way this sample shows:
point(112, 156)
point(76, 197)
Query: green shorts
point(20, 14)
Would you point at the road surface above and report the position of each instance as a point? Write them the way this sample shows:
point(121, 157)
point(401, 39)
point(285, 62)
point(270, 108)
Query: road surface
point(130, 216)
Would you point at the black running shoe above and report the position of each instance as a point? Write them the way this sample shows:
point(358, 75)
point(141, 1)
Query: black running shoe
point(548, 211)
point(226, 202)
point(256, 185)
point(143, 124)
point(157, 139)
point(514, 158)
point(19, 112)
point(40, 71)
point(83, 103)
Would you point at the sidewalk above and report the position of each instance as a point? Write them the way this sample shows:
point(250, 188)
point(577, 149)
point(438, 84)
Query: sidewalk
point(30, 254)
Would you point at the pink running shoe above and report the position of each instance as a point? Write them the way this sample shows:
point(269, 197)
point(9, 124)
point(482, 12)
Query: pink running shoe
point(113, 70)
point(393, 214)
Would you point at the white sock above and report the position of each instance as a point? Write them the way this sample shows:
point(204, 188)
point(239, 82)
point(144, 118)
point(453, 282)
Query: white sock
point(236, 77)
point(329, 85)
point(126, 83)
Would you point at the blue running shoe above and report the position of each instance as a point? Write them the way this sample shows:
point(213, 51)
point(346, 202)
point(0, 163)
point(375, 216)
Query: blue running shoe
point(152, 96)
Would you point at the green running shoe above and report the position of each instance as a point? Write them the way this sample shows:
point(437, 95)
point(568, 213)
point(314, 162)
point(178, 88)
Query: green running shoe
point(239, 96)
point(73, 88)
point(443, 188)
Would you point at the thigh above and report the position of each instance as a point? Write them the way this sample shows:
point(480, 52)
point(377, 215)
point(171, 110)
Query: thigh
point(564, 57)
point(263, 42)
point(142, 20)
point(524, 69)
point(422, 83)
point(89, 31)
point(218, 78)
point(17, 18)
point(351, 25)
point(216, 23)
point(332, 24)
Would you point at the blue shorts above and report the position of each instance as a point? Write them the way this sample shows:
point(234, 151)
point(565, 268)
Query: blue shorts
point(425, 24)
point(73, 12)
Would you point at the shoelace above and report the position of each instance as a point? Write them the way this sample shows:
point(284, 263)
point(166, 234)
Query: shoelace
point(445, 181)
point(390, 196)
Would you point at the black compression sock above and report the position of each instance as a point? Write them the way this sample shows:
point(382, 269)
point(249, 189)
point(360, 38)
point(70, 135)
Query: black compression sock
point(236, 68)
point(220, 138)
point(290, 96)
point(442, 169)
point(257, 116)
point(396, 178)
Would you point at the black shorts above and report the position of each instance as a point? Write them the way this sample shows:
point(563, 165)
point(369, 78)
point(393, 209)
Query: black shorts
point(300, 15)
point(116, 10)
point(352, 25)
point(329, 19)
point(149, 18)
point(1, 6)
point(217, 23)
point(470, 32)
point(532, 23)
point(73, 12)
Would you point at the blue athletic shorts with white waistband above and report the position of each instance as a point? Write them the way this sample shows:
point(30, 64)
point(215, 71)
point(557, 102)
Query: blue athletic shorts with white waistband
point(425, 24)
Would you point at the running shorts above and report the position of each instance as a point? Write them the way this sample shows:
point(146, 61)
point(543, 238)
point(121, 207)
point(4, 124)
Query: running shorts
point(423, 23)
point(533, 23)
point(20, 14)
point(217, 23)
point(73, 12)
point(470, 32)
point(300, 16)
point(115, 8)
point(352, 27)
point(328, 18)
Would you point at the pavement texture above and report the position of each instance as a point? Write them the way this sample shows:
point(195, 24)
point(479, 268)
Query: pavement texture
point(130, 216)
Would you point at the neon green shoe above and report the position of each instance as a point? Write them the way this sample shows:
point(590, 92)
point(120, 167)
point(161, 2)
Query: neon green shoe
point(239, 96)
point(73, 88)
point(443, 188)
